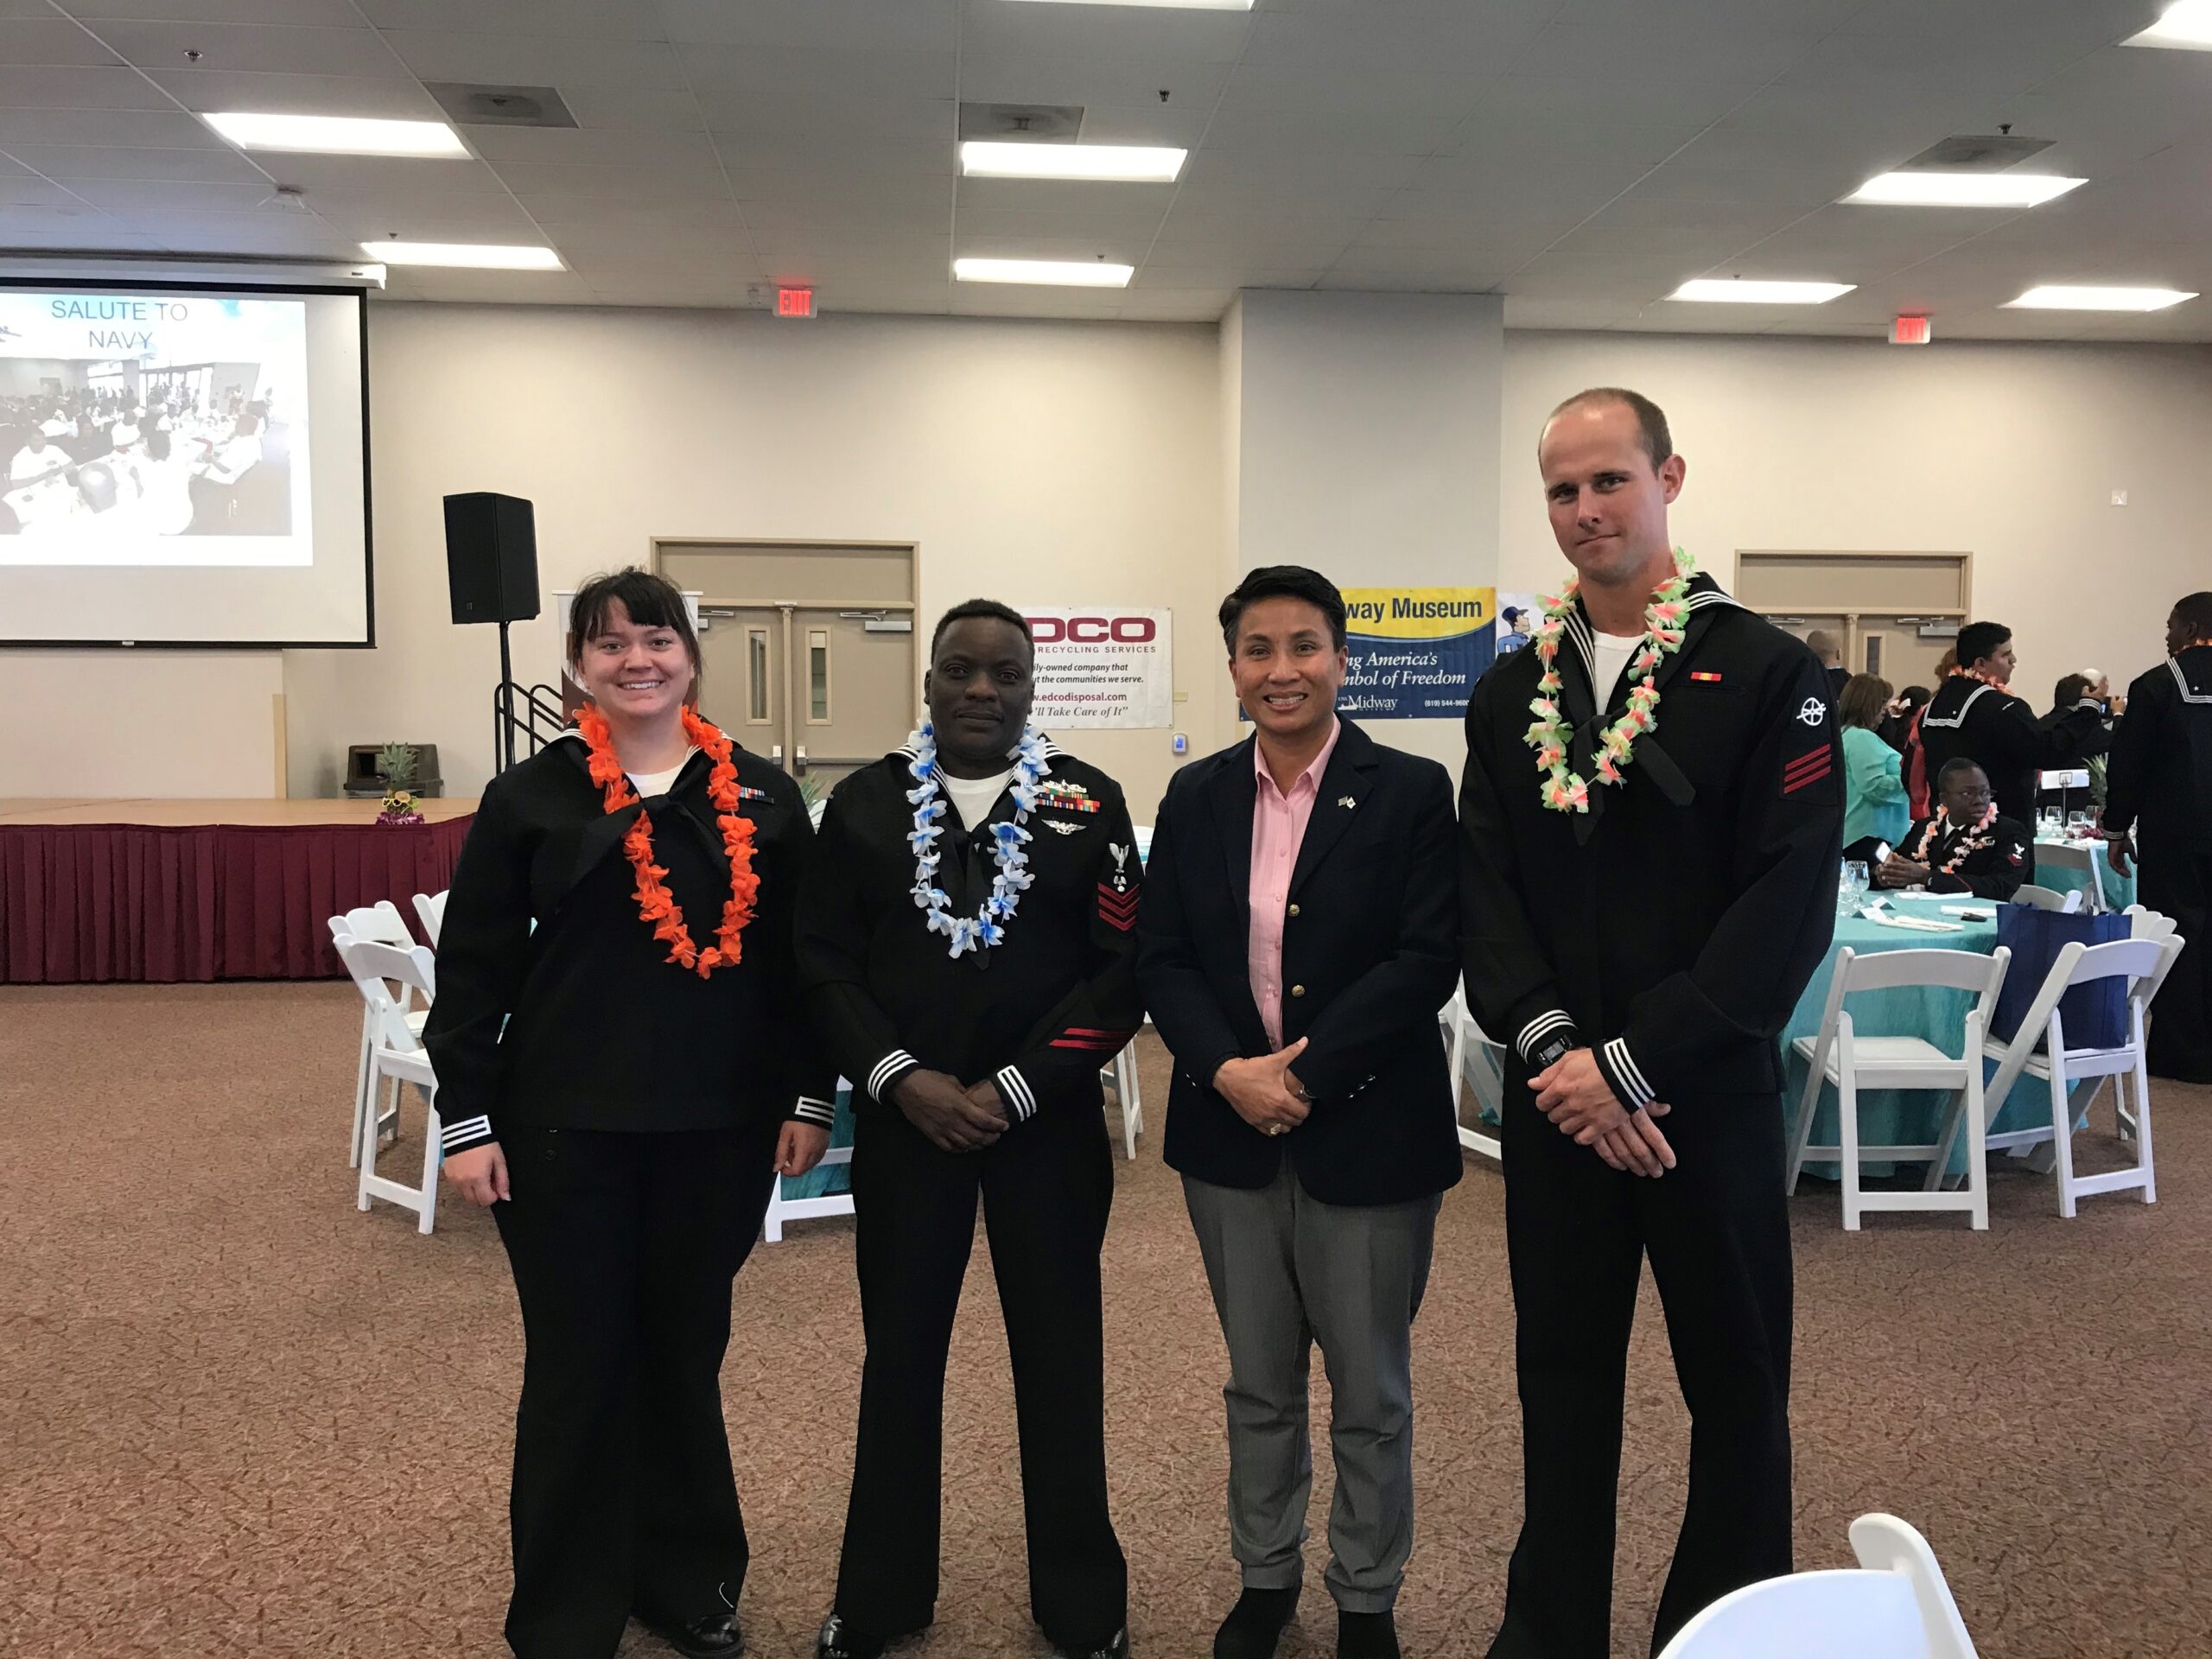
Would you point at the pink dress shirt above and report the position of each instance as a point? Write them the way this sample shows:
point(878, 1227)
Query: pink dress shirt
point(1278, 828)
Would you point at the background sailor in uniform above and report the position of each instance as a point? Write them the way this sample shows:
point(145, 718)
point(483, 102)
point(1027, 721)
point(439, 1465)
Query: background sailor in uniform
point(975, 1031)
point(1974, 717)
point(1967, 847)
point(1640, 944)
point(2160, 801)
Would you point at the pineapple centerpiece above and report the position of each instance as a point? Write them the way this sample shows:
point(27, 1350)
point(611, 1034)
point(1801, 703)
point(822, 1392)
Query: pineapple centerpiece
point(396, 764)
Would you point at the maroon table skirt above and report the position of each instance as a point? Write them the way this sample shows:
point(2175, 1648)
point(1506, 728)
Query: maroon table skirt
point(87, 902)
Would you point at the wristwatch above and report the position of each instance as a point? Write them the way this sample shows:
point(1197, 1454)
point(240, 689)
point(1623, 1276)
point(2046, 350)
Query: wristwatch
point(1553, 1052)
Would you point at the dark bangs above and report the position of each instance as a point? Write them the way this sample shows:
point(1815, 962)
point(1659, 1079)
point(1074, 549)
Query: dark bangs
point(649, 600)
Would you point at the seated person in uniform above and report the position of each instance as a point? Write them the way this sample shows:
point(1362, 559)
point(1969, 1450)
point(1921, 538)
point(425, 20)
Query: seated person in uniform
point(1965, 847)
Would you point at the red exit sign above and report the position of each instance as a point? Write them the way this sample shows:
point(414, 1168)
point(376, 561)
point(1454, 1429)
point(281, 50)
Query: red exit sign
point(794, 301)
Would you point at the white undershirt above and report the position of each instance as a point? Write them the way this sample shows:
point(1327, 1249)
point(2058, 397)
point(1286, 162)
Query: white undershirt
point(648, 783)
point(1611, 652)
point(973, 797)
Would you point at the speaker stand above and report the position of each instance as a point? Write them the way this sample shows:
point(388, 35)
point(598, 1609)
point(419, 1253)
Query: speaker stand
point(506, 690)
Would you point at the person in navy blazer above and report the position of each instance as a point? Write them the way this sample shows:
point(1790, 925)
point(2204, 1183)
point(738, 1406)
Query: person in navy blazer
point(1297, 936)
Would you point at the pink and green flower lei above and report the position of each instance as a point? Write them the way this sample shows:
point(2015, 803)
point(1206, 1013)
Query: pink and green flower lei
point(1664, 618)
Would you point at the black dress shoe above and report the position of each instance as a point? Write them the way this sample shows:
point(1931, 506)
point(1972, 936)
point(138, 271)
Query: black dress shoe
point(712, 1636)
point(1255, 1624)
point(1366, 1636)
point(1115, 1646)
point(839, 1640)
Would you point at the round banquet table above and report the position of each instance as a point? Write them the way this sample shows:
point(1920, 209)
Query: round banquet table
point(2119, 890)
point(1903, 1116)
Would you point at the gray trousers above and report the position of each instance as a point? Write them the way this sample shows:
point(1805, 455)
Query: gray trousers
point(1288, 1270)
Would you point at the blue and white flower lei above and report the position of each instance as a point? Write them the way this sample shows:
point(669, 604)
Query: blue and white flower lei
point(987, 926)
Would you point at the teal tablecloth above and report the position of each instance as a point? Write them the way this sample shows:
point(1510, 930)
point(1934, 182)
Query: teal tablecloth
point(1892, 1116)
point(2119, 890)
point(825, 1178)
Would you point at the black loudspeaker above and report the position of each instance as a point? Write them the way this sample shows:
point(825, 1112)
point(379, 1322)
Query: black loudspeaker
point(492, 558)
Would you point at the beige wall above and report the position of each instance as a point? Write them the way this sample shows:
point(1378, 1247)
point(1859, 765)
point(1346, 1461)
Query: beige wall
point(175, 725)
point(1074, 462)
point(1047, 463)
point(2011, 452)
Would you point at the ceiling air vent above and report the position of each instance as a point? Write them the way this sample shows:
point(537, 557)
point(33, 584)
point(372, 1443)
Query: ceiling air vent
point(1044, 124)
point(1976, 152)
point(501, 107)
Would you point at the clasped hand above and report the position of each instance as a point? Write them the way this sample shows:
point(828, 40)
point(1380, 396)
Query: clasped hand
point(956, 1119)
point(1264, 1092)
point(1574, 1093)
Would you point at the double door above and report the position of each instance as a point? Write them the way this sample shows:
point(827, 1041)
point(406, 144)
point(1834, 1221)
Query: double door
point(818, 690)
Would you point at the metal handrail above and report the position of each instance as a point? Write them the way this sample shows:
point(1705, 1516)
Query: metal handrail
point(532, 712)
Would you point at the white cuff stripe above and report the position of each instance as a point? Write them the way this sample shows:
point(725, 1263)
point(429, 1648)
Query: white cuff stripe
point(1641, 1092)
point(816, 1111)
point(897, 1060)
point(1537, 1027)
point(469, 1128)
point(1015, 1088)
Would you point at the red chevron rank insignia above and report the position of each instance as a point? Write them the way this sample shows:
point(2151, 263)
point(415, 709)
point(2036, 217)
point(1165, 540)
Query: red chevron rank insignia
point(1118, 910)
point(1808, 768)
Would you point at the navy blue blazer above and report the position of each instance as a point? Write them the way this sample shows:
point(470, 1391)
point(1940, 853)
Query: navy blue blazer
point(1370, 952)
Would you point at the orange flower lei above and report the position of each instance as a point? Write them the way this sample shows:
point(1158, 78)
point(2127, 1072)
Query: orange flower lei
point(655, 904)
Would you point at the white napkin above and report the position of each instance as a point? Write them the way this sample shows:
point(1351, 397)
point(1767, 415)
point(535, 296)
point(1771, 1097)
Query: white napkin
point(1918, 923)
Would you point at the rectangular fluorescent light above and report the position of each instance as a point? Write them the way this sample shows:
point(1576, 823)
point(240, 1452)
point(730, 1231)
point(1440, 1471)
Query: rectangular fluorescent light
point(337, 135)
point(1936, 189)
point(1730, 290)
point(1123, 163)
point(2051, 298)
point(1058, 273)
point(2186, 24)
point(1172, 5)
point(467, 256)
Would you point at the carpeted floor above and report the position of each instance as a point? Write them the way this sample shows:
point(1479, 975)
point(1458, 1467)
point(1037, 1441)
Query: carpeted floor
point(238, 1418)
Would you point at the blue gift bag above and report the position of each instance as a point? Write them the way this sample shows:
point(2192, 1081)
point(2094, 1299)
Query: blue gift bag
point(2096, 1015)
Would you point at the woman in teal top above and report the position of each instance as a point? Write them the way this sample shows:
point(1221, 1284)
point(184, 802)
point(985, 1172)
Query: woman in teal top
point(1875, 810)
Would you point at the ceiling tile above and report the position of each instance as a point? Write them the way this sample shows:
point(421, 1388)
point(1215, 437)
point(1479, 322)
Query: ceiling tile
point(327, 14)
point(50, 40)
point(19, 190)
point(411, 177)
point(798, 116)
point(458, 219)
point(693, 180)
point(604, 147)
point(1396, 133)
point(735, 72)
point(394, 98)
point(628, 109)
point(530, 59)
point(1485, 40)
point(129, 196)
point(279, 48)
point(910, 25)
point(992, 29)
point(163, 129)
point(38, 87)
point(90, 162)
point(1190, 85)
point(623, 20)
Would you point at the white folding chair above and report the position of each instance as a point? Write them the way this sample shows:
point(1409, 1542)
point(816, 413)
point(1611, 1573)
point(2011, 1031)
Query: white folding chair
point(380, 923)
point(1839, 1055)
point(782, 1210)
point(431, 907)
point(1122, 1078)
point(398, 1054)
point(2082, 858)
point(1476, 1067)
point(2145, 964)
point(2043, 899)
point(2145, 924)
point(1894, 1605)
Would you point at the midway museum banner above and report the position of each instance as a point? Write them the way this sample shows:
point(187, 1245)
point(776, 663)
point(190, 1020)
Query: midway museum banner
point(1416, 653)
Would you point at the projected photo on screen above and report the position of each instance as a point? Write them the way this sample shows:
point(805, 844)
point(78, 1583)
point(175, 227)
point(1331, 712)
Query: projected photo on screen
point(153, 430)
